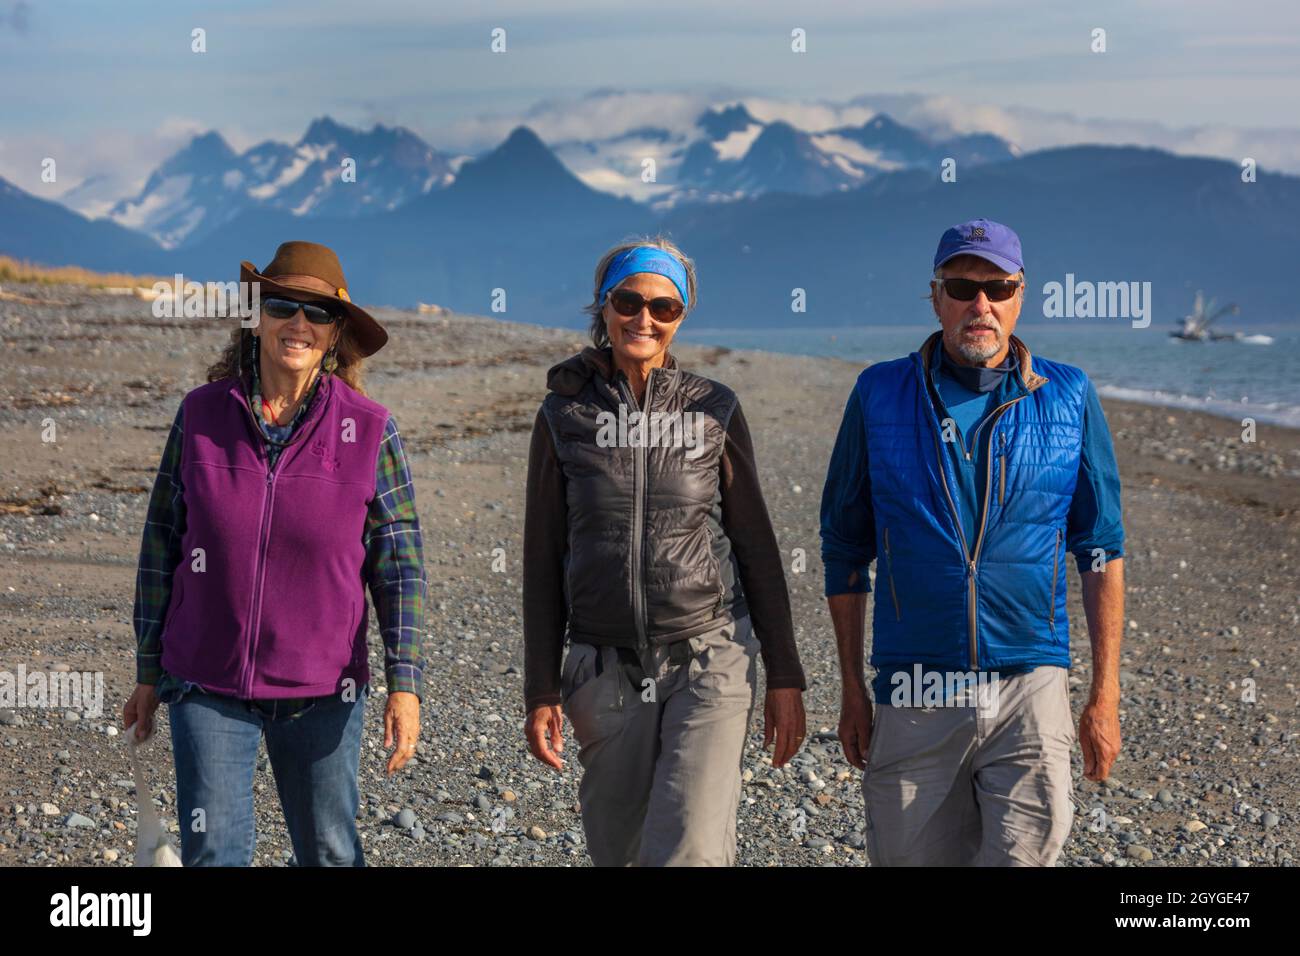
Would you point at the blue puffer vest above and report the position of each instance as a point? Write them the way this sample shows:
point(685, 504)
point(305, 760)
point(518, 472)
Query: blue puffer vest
point(998, 601)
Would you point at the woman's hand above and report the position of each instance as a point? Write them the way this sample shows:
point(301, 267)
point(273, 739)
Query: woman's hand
point(401, 725)
point(139, 710)
point(544, 729)
point(783, 720)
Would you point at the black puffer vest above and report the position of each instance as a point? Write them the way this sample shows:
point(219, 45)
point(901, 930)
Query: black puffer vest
point(647, 559)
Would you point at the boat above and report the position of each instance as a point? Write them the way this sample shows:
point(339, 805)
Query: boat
point(1196, 325)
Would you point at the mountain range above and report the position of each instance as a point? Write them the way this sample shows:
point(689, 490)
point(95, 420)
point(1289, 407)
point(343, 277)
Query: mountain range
point(452, 230)
point(727, 155)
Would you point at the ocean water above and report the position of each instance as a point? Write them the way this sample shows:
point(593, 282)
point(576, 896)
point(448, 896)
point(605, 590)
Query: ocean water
point(1231, 379)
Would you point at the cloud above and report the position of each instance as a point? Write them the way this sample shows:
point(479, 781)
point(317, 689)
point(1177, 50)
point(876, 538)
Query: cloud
point(101, 167)
point(600, 114)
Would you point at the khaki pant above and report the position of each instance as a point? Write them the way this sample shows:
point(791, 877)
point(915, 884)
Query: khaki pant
point(661, 781)
point(954, 786)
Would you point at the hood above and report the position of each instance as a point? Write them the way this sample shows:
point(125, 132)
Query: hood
point(570, 376)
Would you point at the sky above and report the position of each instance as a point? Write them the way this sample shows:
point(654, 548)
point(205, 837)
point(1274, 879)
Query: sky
point(111, 89)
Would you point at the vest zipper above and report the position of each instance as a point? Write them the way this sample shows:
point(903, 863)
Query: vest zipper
point(972, 560)
point(1002, 468)
point(889, 559)
point(264, 535)
point(1051, 606)
point(259, 577)
point(638, 511)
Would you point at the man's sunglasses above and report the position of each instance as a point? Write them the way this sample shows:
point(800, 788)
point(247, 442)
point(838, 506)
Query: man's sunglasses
point(288, 308)
point(662, 308)
point(997, 290)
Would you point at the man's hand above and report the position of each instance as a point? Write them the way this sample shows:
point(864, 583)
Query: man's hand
point(855, 725)
point(1103, 605)
point(784, 722)
point(545, 731)
point(401, 725)
point(1099, 737)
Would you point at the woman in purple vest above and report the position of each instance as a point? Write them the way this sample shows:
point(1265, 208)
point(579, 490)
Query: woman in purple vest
point(648, 548)
point(282, 495)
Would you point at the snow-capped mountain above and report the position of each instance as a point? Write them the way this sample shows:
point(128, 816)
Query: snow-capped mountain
point(207, 184)
point(724, 153)
point(730, 154)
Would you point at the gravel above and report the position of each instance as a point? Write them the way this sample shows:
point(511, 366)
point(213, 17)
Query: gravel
point(1208, 771)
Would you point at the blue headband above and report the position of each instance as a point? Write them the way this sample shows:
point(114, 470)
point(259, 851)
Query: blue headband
point(644, 259)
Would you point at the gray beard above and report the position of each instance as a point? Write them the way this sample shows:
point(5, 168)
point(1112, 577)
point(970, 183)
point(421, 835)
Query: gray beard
point(976, 353)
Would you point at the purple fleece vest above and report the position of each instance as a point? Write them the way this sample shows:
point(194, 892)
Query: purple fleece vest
point(279, 607)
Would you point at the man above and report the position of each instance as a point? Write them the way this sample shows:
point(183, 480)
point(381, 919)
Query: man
point(968, 469)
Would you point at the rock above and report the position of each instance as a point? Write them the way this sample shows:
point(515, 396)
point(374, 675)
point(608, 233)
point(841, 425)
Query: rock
point(484, 773)
point(1270, 820)
point(49, 810)
point(1140, 853)
point(110, 856)
point(77, 820)
point(536, 833)
point(481, 802)
point(1193, 826)
point(1165, 796)
point(405, 819)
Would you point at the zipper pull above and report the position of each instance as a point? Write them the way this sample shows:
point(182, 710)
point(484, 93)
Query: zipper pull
point(972, 569)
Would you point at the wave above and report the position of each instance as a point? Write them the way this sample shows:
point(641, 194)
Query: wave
point(1272, 413)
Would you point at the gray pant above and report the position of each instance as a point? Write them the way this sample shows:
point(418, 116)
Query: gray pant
point(954, 786)
point(661, 781)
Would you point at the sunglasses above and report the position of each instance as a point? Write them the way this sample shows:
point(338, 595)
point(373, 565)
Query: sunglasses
point(288, 308)
point(997, 290)
point(662, 308)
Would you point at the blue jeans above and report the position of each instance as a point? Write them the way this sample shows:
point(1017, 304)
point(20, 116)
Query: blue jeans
point(315, 751)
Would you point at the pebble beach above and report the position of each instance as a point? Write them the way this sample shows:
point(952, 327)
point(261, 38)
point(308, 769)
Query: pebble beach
point(1208, 774)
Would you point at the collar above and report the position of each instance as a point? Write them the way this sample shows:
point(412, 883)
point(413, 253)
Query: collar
point(974, 378)
point(1018, 383)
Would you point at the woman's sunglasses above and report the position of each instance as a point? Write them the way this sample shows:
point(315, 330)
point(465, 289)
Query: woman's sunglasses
point(997, 290)
point(288, 308)
point(662, 308)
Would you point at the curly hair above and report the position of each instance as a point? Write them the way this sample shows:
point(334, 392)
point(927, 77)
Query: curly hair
point(238, 355)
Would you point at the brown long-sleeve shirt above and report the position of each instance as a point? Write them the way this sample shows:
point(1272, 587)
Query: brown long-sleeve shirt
point(744, 519)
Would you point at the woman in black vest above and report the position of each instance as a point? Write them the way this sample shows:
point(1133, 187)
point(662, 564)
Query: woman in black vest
point(647, 546)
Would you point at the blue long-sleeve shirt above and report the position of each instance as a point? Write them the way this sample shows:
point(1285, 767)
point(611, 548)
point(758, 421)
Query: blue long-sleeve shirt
point(847, 523)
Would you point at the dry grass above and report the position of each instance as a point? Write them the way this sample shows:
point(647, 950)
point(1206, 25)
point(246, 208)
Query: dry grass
point(15, 270)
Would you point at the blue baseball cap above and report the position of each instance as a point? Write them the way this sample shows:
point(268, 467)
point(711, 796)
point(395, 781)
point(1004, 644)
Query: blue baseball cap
point(985, 238)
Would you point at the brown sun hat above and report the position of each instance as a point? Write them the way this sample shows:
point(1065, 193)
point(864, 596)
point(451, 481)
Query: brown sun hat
point(310, 272)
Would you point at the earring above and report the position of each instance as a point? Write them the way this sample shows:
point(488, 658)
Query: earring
point(331, 362)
